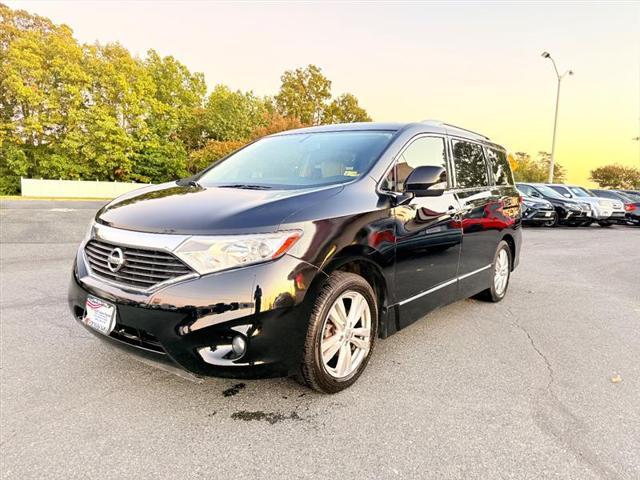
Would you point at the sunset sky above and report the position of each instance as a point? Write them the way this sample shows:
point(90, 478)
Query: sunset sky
point(473, 64)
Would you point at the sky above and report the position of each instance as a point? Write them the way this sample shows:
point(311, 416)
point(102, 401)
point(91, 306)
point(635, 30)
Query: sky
point(473, 64)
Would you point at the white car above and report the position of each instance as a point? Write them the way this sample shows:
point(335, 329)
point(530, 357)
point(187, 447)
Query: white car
point(603, 210)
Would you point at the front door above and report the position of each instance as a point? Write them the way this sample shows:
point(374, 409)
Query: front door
point(428, 235)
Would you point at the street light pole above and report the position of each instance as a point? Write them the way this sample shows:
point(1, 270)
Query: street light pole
point(555, 119)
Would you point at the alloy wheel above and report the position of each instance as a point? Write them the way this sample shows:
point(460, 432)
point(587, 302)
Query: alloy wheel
point(501, 272)
point(346, 335)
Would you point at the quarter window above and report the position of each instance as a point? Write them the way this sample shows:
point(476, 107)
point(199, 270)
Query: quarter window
point(471, 169)
point(421, 152)
point(500, 167)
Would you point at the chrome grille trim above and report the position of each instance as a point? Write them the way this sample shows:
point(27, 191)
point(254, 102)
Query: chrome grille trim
point(149, 261)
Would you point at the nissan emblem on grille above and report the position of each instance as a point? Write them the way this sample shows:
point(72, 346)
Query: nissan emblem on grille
point(115, 261)
point(142, 268)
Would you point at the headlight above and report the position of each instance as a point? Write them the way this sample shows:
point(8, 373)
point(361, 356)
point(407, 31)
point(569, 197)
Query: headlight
point(212, 254)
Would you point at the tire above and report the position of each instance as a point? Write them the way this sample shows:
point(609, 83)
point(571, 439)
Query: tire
point(587, 223)
point(331, 374)
point(605, 224)
point(497, 291)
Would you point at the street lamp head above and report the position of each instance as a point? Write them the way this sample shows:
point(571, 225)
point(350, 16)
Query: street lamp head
point(546, 55)
point(570, 72)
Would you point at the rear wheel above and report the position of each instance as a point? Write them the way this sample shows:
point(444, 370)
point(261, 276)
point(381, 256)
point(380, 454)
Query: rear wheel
point(342, 330)
point(502, 262)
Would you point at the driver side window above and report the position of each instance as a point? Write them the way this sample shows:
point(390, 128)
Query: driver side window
point(420, 152)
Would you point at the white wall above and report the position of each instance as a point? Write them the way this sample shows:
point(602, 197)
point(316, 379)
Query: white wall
point(32, 187)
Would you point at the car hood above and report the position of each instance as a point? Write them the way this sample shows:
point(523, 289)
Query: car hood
point(539, 201)
point(563, 202)
point(197, 210)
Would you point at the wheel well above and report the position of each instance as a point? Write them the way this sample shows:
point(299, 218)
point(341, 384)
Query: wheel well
point(512, 246)
point(370, 272)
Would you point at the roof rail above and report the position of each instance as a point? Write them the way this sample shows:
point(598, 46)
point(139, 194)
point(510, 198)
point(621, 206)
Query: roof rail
point(438, 122)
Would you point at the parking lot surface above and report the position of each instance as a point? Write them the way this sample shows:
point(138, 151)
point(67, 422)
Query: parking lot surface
point(545, 384)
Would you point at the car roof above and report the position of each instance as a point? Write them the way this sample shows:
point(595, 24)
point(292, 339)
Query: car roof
point(426, 126)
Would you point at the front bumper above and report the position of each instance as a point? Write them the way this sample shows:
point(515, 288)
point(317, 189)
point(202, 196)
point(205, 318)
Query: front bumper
point(533, 215)
point(191, 323)
point(573, 216)
point(618, 216)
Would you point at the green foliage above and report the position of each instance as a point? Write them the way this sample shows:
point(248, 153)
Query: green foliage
point(233, 115)
point(617, 176)
point(345, 109)
point(94, 111)
point(304, 94)
point(527, 169)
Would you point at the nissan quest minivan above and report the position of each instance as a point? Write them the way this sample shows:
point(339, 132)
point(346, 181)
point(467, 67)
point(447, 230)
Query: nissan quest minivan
point(294, 254)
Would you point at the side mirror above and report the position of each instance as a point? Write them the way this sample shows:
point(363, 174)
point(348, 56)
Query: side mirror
point(567, 195)
point(426, 181)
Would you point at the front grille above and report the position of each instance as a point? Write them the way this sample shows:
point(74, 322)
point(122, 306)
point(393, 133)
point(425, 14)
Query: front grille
point(137, 338)
point(143, 268)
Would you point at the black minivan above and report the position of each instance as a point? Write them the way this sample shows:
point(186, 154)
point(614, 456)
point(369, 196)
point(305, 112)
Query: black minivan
point(292, 255)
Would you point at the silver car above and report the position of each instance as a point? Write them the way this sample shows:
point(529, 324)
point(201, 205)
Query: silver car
point(603, 210)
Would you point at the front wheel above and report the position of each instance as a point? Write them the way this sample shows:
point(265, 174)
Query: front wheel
point(605, 224)
point(342, 330)
point(501, 270)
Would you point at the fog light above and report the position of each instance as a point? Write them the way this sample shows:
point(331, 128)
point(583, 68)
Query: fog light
point(238, 345)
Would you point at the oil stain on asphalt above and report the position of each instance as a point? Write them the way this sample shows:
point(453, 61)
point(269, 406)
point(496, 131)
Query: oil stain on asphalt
point(230, 392)
point(269, 417)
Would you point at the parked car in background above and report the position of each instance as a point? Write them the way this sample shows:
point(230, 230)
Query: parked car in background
point(631, 204)
point(604, 211)
point(568, 212)
point(538, 211)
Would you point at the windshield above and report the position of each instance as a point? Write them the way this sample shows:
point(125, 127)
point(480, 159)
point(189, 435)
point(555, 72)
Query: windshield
point(580, 192)
point(299, 160)
point(549, 192)
point(631, 197)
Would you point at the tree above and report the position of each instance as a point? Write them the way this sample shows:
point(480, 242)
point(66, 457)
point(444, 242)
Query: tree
point(212, 152)
point(276, 123)
point(527, 169)
point(233, 115)
point(304, 94)
point(617, 177)
point(345, 109)
point(95, 111)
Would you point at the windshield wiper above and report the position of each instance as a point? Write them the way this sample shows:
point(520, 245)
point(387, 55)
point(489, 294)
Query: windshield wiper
point(246, 186)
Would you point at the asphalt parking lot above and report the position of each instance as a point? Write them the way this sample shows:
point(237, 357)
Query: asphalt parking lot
point(545, 384)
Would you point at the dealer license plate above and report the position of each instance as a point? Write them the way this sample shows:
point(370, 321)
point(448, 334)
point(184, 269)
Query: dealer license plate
point(99, 315)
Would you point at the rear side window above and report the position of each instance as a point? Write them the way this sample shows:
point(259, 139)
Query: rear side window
point(500, 168)
point(471, 169)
